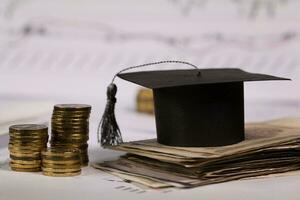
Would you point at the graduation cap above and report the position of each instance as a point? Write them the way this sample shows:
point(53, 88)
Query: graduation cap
point(193, 108)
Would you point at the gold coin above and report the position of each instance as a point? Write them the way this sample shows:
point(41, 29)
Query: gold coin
point(62, 158)
point(25, 162)
point(61, 166)
point(28, 142)
point(33, 142)
point(70, 125)
point(25, 151)
point(24, 166)
point(29, 135)
point(22, 154)
point(69, 132)
point(61, 174)
point(74, 118)
point(68, 169)
point(33, 136)
point(67, 141)
point(71, 111)
point(70, 119)
point(72, 129)
point(70, 115)
point(23, 128)
point(69, 145)
point(82, 138)
point(71, 107)
point(70, 135)
point(51, 151)
point(26, 169)
point(57, 162)
point(63, 123)
point(26, 148)
point(25, 157)
point(82, 118)
point(19, 146)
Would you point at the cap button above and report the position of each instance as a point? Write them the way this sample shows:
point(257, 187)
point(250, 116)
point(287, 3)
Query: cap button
point(199, 73)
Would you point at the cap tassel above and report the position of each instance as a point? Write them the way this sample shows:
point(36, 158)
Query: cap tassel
point(108, 126)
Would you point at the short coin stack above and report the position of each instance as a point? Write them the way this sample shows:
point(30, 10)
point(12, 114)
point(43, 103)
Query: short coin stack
point(144, 101)
point(25, 145)
point(70, 128)
point(61, 162)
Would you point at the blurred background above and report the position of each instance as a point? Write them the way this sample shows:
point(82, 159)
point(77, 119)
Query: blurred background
point(67, 51)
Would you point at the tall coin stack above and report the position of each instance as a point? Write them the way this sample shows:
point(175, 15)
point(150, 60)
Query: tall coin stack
point(61, 162)
point(25, 145)
point(70, 128)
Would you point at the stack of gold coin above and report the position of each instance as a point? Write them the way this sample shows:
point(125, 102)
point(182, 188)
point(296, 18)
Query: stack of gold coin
point(70, 128)
point(144, 101)
point(61, 162)
point(25, 145)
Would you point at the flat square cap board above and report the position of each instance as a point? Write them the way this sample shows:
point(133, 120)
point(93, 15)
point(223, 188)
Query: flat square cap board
point(174, 78)
point(198, 108)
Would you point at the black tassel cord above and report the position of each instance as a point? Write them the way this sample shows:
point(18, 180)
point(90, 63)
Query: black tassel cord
point(108, 127)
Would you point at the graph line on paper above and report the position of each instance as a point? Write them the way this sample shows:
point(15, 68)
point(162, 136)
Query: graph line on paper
point(197, 43)
point(249, 8)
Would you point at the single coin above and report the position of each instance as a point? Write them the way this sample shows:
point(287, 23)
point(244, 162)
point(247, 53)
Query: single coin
point(22, 154)
point(25, 162)
point(71, 113)
point(24, 151)
point(26, 169)
point(70, 125)
point(61, 174)
point(77, 124)
point(33, 148)
point(72, 107)
point(71, 129)
point(70, 137)
point(27, 127)
point(62, 158)
point(57, 162)
point(75, 129)
point(48, 169)
point(61, 166)
point(70, 134)
point(24, 145)
point(22, 135)
point(68, 145)
point(59, 151)
point(24, 166)
point(25, 142)
point(64, 131)
point(25, 158)
point(74, 118)
point(66, 141)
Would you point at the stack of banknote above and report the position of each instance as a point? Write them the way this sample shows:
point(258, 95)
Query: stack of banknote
point(270, 148)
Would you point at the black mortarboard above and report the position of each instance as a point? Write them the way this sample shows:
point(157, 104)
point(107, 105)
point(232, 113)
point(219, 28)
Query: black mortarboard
point(193, 108)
